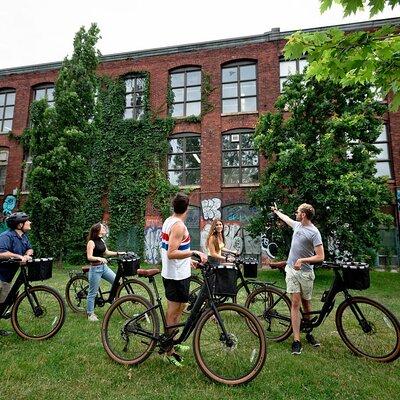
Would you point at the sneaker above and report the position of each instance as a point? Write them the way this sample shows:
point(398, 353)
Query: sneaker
point(296, 347)
point(5, 333)
point(92, 317)
point(312, 341)
point(174, 359)
point(182, 348)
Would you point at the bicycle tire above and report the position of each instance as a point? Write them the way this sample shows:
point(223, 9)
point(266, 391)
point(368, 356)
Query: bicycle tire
point(379, 336)
point(121, 337)
point(195, 285)
point(76, 292)
point(136, 287)
point(241, 294)
point(237, 358)
point(275, 319)
point(42, 322)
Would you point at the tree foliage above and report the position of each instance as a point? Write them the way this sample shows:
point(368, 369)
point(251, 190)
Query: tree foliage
point(322, 154)
point(349, 58)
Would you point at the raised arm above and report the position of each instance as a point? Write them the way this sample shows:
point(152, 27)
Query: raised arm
point(289, 221)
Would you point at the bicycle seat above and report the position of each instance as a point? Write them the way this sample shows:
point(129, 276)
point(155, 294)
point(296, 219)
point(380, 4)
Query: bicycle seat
point(148, 272)
point(85, 268)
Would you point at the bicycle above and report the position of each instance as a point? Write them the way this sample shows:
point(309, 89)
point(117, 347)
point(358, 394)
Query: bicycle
point(77, 287)
point(228, 342)
point(38, 312)
point(365, 326)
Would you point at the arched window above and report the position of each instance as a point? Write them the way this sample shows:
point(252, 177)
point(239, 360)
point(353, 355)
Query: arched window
point(45, 91)
point(184, 159)
point(3, 168)
point(186, 89)
point(239, 87)
point(240, 162)
point(7, 103)
point(134, 96)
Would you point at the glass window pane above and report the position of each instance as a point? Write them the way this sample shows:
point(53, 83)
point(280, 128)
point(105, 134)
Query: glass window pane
point(178, 95)
point(176, 177)
point(50, 94)
point(229, 74)
point(248, 88)
point(128, 113)
point(282, 82)
point(176, 145)
point(230, 159)
point(140, 84)
point(7, 125)
point(246, 141)
point(229, 144)
point(175, 161)
point(384, 154)
point(249, 175)
point(193, 93)
point(139, 99)
point(129, 85)
point(139, 111)
point(382, 137)
point(249, 158)
point(192, 160)
point(383, 169)
point(193, 177)
point(193, 78)
point(1, 113)
point(247, 72)
point(40, 94)
point(177, 79)
point(128, 100)
point(177, 110)
point(287, 68)
point(10, 100)
point(193, 143)
point(229, 106)
point(2, 99)
point(248, 104)
point(302, 64)
point(229, 90)
point(193, 108)
point(9, 112)
point(230, 176)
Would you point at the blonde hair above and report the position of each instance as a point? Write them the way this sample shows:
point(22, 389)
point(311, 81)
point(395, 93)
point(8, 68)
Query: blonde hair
point(307, 209)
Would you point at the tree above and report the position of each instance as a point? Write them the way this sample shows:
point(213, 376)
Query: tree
point(351, 58)
point(322, 153)
point(58, 140)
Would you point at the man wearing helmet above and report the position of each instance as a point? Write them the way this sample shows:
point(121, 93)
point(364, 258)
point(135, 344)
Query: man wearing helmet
point(14, 243)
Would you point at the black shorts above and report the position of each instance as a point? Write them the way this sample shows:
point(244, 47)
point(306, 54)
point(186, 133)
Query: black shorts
point(177, 291)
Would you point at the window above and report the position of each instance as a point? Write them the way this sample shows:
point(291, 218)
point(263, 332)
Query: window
point(287, 68)
point(184, 160)
point(7, 102)
point(45, 92)
point(239, 88)
point(239, 159)
point(192, 223)
point(383, 163)
point(27, 166)
point(134, 96)
point(186, 89)
point(3, 168)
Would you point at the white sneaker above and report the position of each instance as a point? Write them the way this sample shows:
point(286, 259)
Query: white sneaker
point(92, 317)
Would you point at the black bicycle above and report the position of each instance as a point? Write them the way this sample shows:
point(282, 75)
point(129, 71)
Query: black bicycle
point(228, 341)
point(77, 287)
point(366, 327)
point(37, 312)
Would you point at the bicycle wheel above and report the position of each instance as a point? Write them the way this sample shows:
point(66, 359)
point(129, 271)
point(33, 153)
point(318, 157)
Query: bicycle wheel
point(369, 329)
point(130, 340)
point(134, 286)
point(195, 285)
point(242, 292)
point(272, 308)
point(38, 314)
point(76, 293)
point(234, 358)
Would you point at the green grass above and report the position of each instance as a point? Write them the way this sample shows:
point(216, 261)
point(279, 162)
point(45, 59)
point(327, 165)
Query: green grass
point(74, 365)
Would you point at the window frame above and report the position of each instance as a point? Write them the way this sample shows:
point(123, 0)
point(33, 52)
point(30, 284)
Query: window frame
point(46, 87)
point(3, 118)
point(4, 164)
point(184, 153)
point(239, 132)
point(297, 62)
point(385, 129)
point(134, 93)
point(238, 64)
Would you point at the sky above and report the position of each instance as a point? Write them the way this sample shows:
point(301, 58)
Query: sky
point(41, 31)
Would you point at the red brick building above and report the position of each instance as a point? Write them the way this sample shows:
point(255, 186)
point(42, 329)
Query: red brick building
point(214, 155)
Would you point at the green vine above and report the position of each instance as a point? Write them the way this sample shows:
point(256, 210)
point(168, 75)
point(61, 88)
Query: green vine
point(206, 90)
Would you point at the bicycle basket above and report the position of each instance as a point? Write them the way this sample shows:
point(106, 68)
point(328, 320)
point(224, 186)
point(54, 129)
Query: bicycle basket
point(356, 276)
point(250, 268)
point(40, 269)
point(129, 265)
point(225, 281)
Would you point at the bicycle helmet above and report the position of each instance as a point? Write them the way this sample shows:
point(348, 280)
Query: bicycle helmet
point(16, 218)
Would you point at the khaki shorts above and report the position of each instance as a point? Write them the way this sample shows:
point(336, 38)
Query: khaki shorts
point(300, 282)
point(5, 288)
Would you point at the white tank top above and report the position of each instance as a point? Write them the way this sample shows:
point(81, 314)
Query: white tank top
point(174, 269)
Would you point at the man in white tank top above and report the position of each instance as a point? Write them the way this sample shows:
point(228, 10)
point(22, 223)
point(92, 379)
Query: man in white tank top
point(175, 257)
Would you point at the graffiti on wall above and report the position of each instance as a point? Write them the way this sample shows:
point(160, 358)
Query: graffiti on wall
point(211, 209)
point(9, 204)
point(152, 244)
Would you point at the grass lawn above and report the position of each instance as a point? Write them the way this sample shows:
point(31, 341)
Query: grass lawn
point(74, 365)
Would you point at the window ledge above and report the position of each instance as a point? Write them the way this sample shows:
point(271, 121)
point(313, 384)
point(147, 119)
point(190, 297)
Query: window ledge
point(240, 113)
point(190, 187)
point(241, 185)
